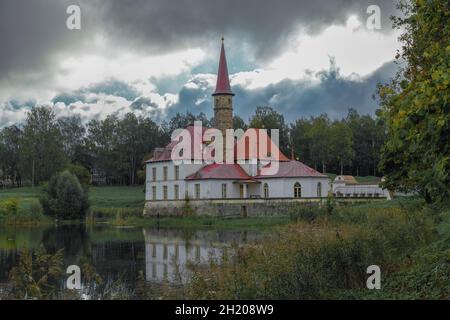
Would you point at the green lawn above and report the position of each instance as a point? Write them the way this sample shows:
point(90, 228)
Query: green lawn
point(100, 197)
point(117, 197)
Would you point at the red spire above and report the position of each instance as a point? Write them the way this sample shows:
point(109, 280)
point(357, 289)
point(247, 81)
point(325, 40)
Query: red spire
point(223, 82)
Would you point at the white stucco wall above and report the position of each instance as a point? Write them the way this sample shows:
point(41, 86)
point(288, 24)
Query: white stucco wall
point(284, 187)
point(359, 190)
point(212, 189)
point(184, 171)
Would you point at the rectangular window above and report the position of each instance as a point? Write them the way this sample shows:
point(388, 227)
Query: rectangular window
point(154, 174)
point(176, 192)
point(177, 252)
point(165, 192)
point(154, 193)
point(165, 251)
point(177, 172)
point(197, 190)
point(224, 190)
point(165, 173)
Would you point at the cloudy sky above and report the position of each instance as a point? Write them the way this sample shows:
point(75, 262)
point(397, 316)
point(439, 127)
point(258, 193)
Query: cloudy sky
point(159, 57)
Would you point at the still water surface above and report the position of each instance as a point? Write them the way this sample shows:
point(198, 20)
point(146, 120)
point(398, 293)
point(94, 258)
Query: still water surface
point(161, 254)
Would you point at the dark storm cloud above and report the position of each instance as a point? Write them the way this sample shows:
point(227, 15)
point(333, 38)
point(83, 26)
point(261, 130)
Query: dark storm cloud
point(33, 33)
point(334, 95)
point(17, 105)
point(266, 24)
point(109, 87)
point(143, 103)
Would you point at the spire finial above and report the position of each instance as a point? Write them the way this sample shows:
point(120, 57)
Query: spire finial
point(223, 81)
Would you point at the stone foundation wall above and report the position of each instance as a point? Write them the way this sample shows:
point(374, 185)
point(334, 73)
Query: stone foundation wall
point(233, 207)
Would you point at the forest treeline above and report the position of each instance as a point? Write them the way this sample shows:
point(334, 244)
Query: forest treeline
point(116, 148)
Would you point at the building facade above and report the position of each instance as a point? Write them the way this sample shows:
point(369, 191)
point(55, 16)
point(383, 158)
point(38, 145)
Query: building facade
point(347, 186)
point(237, 188)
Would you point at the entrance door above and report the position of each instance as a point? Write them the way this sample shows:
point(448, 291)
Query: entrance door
point(241, 190)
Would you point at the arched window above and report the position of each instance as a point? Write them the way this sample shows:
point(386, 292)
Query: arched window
point(319, 190)
point(297, 190)
point(266, 190)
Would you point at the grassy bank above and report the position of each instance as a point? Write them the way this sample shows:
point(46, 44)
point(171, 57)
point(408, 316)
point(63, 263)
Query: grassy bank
point(122, 206)
point(100, 197)
point(25, 211)
point(105, 202)
point(324, 255)
point(204, 222)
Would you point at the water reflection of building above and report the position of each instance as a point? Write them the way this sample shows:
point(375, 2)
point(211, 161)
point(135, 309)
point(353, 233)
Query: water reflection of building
point(168, 252)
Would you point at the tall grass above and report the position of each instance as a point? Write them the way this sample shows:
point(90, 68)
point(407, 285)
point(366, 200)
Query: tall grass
point(320, 256)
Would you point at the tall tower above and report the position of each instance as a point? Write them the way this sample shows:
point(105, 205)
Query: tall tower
point(223, 97)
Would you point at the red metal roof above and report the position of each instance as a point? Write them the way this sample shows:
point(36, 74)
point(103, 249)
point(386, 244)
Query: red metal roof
point(165, 154)
point(293, 169)
point(221, 171)
point(223, 81)
point(261, 137)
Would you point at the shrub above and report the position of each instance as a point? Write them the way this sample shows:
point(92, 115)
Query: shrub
point(35, 209)
point(83, 174)
point(187, 208)
point(64, 197)
point(9, 207)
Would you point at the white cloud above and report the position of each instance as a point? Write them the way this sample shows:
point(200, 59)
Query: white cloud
point(356, 49)
point(76, 72)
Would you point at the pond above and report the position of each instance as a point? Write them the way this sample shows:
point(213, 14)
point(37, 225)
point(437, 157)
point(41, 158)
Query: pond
point(162, 255)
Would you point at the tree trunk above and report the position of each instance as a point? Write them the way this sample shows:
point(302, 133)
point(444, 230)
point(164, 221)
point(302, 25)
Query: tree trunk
point(32, 173)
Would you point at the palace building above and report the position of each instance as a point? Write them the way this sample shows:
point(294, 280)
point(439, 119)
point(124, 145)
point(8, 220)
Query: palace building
point(242, 187)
